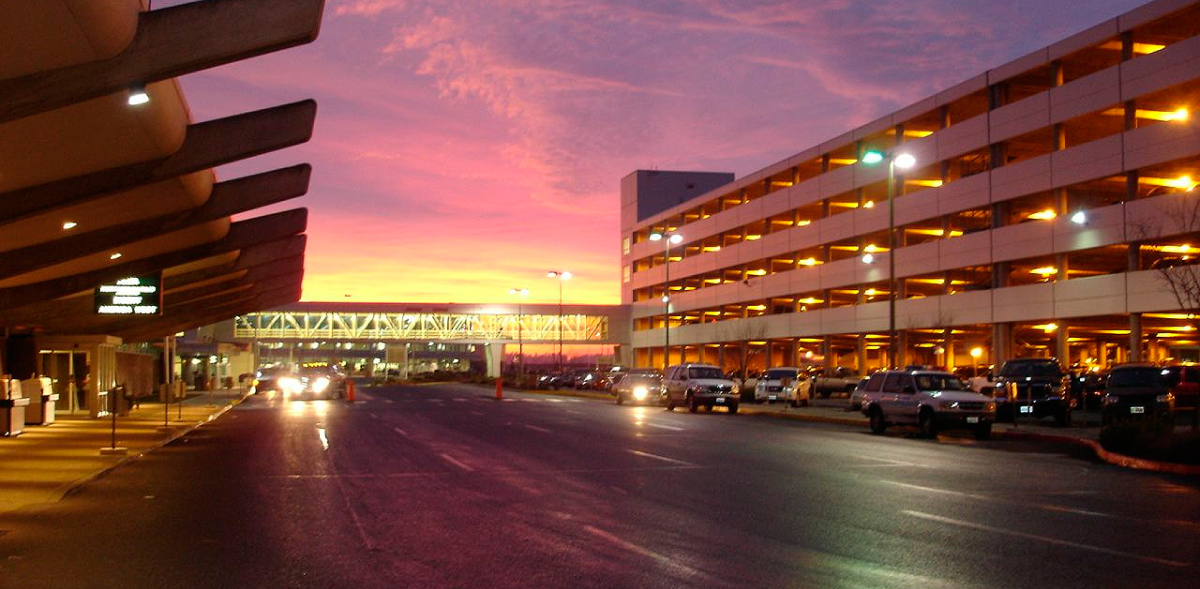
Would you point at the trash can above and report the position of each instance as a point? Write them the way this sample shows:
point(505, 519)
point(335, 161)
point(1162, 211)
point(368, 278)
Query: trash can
point(12, 408)
point(42, 400)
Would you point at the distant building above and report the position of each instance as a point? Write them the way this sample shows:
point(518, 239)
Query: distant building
point(1049, 201)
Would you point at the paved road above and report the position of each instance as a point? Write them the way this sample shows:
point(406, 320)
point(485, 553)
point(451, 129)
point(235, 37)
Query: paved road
point(440, 486)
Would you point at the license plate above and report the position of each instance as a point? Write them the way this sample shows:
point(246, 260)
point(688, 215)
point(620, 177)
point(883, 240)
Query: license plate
point(771, 397)
point(720, 399)
point(1137, 409)
point(1026, 409)
point(972, 420)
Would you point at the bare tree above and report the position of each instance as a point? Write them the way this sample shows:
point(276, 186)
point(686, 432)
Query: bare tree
point(743, 331)
point(1179, 274)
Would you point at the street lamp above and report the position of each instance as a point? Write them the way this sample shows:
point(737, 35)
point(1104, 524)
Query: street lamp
point(976, 353)
point(668, 239)
point(523, 292)
point(561, 276)
point(903, 161)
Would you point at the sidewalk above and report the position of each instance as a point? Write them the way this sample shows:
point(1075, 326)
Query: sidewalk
point(45, 463)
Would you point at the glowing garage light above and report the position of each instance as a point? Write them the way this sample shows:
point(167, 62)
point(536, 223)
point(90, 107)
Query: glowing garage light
point(1044, 271)
point(807, 262)
point(871, 248)
point(868, 258)
point(69, 225)
point(1045, 215)
point(115, 256)
point(1079, 218)
point(905, 161)
point(870, 204)
point(137, 95)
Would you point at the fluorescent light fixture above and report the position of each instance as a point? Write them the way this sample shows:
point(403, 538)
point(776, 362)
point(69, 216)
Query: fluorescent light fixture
point(115, 256)
point(1079, 218)
point(137, 95)
point(69, 225)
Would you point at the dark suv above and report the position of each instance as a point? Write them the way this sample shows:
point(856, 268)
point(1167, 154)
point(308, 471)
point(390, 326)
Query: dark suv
point(1136, 392)
point(1033, 386)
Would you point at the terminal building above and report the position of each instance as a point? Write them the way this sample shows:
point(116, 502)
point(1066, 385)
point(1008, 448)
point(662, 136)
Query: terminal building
point(1045, 207)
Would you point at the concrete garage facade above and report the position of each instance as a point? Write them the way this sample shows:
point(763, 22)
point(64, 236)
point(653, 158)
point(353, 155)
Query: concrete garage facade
point(1051, 211)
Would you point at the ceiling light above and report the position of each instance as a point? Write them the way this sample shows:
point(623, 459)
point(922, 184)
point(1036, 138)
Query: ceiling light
point(137, 95)
point(1044, 271)
point(1045, 215)
point(868, 259)
point(69, 225)
point(1079, 218)
point(115, 256)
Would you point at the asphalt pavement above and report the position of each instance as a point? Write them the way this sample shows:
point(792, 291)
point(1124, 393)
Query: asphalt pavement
point(442, 486)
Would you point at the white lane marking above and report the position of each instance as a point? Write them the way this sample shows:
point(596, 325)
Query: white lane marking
point(537, 429)
point(388, 401)
point(574, 412)
point(324, 440)
point(459, 400)
point(1046, 506)
point(657, 457)
point(1046, 539)
point(889, 462)
point(660, 558)
point(555, 400)
point(659, 425)
point(400, 431)
point(456, 463)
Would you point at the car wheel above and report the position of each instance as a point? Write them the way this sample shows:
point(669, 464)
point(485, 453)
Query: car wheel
point(693, 405)
point(620, 399)
point(927, 424)
point(878, 425)
point(983, 431)
point(733, 408)
point(670, 405)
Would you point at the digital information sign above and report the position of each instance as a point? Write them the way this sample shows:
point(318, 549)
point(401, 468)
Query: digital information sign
point(130, 296)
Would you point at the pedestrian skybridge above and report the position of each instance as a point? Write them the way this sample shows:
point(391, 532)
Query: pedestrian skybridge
point(457, 323)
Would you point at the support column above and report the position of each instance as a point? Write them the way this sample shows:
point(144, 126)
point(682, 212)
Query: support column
point(1135, 337)
point(948, 346)
point(1062, 344)
point(902, 348)
point(493, 353)
point(721, 356)
point(827, 351)
point(1001, 342)
point(862, 353)
point(397, 354)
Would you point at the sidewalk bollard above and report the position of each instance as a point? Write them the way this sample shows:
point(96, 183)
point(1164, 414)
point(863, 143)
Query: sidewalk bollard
point(499, 389)
point(349, 391)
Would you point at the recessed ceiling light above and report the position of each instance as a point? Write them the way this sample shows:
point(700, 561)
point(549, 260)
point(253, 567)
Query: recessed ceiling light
point(69, 225)
point(115, 256)
point(137, 95)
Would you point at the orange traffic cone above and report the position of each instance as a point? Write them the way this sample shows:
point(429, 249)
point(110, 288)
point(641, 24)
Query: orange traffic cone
point(349, 391)
point(499, 389)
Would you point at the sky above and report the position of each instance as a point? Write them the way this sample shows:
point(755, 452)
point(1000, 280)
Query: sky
point(466, 147)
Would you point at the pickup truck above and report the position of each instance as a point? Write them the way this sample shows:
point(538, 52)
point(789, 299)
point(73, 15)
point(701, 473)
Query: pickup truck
point(840, 379)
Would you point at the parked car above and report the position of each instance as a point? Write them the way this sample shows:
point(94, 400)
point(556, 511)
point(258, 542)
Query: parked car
point(1037, 387)
point(1184, 381)
point(267, 379)
point(555, 380)
point(697, 385)
point(1087, 387)
point(931, 400)
point(640, 388)
point(857, 396)
point(1135, 392)
point(839, 379)
point(786, 383)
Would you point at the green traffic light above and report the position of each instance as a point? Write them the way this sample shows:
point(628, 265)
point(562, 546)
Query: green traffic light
point(872, 157)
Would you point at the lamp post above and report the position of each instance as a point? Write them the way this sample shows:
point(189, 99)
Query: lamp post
point(562, 277)
point(903, 161)
point(667, 239)
point(976, 353)
point(521, 292)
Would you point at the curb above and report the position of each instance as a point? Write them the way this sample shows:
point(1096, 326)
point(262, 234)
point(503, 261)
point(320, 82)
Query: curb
point(70, 488)
point(1109, 457)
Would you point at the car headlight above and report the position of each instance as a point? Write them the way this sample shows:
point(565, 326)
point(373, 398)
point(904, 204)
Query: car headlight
point(291, 385)
point(948, 404)
point(990, 407)
point(1167, 398)
point(319, 385)
point(734, 389)
point(640, 393)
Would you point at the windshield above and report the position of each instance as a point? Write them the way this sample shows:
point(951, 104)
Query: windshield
point(642, 379)
point(780, 374)
point(704, 372)
point(939, 382)
point(1040, 368)
point(1146, 376)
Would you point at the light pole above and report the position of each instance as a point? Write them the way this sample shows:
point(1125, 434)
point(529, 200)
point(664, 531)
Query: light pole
point(562, 277)
point(522, 292)
point(903, 161)
point(976, 353)
point(667, 239)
